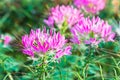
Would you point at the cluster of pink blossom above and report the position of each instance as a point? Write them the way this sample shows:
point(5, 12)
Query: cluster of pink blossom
point(92, 31)
point(42, 42)
point(61, 14)
point(83, 30)
point(92, 6)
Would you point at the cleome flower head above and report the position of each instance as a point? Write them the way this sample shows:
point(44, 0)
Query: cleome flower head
point(6, 39)
point(63, 14)
point(41, 42)
point(92, 31)
point(92, 6)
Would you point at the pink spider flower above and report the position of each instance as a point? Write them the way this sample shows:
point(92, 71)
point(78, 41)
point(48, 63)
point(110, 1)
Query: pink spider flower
point(60, 14)
point(42, 42)
point(92, 31)
point(92, 6)
point(6, 39)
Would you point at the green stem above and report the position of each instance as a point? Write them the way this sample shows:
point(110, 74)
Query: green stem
point(89, 54)
point(106, 64)
point(87, 63)
point(28, 68)
point(10, 76)
point(44, 70)
point(5, 77)
point(111, 53)
point(43, 76)
point(78, 75)
point(84, 70)
point(101, 73)
point(116, 63)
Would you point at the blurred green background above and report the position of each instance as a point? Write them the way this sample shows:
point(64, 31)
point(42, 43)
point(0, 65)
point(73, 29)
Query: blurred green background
point(17, 15)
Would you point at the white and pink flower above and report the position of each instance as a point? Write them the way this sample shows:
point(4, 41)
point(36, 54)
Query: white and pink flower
point(42, 42)
point(92, 31)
